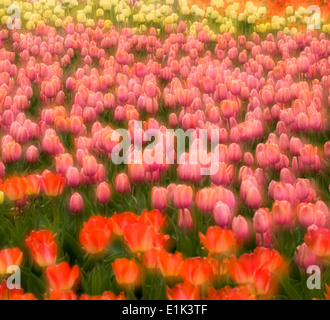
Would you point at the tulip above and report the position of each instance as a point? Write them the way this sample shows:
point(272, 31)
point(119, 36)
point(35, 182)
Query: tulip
point(182, 196)
point(32, 154)
point(61, 276)
point(126, 271)
point(76, 203)
point(11, 152)
point(221, 214)
point(103, 193)
point(122, 183)
point(183, 291)
point(139, 237)
point(185, 221)
point(262, 220)
point(89, 166)
point(95, 234)
point(159, 198)
point(282, 213)
point(195, 270)
point(53, 184)
point(14, 188)
point(43, 247)
point(240, 227)
point(63, 163)
point(306, 214)
point(169, 264)
point(10, 257)
point(254, 269)
point(120, 221)
point(73, 177)
point(218, 240)
point(304, 257)
point(318, 241)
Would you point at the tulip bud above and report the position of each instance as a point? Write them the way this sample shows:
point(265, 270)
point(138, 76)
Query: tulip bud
point(240, 227)
point(76, 203)
point(122, 183)
point(304, 257)
point(32, 154)
point(159, 198)
point(262, 220)
point(282, 214)
point(221, 214)
point(184, 219)
point(103, 193)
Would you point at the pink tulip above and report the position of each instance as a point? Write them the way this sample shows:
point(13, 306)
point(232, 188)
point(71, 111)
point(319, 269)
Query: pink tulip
point(76, 203)
point(103, 193)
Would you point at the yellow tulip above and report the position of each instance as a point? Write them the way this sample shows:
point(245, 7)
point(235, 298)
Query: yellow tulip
point(143, 28)
point(88, 9)
point(90, 23)
point(150, 17)
point(58, 23)
point(286, 30)
point(4, 19)
point(1, 197)
point(302, 10)
point(27, 15)
point(81, 17)
point(99, 12)
point(108, 23)
point(37, 6)
point(289, 10)
point(47, 14)
point(30, 25)
point(105, 4)
point(293, 31)
point(185, 11)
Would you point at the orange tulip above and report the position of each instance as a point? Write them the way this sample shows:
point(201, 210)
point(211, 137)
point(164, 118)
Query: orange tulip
point(228, 293)
point(10, 257)
point(150, 258)
point(33, 183)
point(120, 221)
point(53, 184)
point(126, 271)
point(195, 270)
point(183, 291)
point(318, 241)
point(43, 247)
point(95, 234)
point(218, 240)
point(255, 270)
point(153, 218)
point(61, 276)
point(14, 188)
point(139, 237)
point(169, 264)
